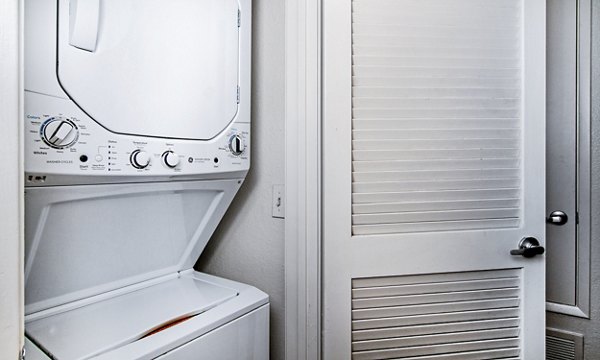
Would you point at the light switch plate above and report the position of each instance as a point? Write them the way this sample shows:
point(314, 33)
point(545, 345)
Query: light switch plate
point(278, 201)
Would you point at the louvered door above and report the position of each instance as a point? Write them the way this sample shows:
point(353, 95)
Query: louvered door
point(433, 171)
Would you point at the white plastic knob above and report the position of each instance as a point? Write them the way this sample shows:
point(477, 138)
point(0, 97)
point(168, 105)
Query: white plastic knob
point(170, 159)
point(140, 159)
point(59, 133)
point(236, 145)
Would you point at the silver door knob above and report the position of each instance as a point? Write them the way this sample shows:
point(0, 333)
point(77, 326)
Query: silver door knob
point(557, 218)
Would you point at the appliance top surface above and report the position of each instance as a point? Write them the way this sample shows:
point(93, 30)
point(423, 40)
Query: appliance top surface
point(120, 320)
point(159, 68)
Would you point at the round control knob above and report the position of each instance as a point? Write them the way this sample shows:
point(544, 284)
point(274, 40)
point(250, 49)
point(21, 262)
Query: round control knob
point(139, 159)
point(170, 159)
point(59, 133)
point(236, 145)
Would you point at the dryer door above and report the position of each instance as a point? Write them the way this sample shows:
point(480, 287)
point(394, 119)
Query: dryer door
point(164, 68)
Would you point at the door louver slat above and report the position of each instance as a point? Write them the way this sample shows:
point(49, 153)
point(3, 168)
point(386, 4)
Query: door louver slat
point(434, 226)
point(436, 115)
point(393, 186)
point(432, 278)
point(453, 337)
point(373, 334)
point(438, 174)
point(469, 315)
point(435, 318)
point(438, 205)
point(433, 165)
point(430, 196)
point(433, 298)
point(427, 83)
point(422, 216)
point(449, 144)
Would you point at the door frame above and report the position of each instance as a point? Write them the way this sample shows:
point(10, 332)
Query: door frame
point(11, 182)
point(303, 179)
point(303, 121)
point(583, 171)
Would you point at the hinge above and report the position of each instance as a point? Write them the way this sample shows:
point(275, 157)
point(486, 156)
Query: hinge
point(238, 94)
point(22, 355)
point(239, 20)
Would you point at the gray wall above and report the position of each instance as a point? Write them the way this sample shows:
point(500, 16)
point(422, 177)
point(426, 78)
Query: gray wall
point(248, 246)
point(591, 328)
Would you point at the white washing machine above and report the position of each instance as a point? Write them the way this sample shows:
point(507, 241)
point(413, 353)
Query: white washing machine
point(137, 134)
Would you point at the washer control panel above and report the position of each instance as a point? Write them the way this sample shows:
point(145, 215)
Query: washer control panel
point(62, 140)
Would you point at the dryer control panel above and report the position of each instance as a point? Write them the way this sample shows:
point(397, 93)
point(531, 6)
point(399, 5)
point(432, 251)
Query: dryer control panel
point(62, 140)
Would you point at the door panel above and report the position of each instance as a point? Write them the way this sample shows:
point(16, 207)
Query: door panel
point(562, 150)
point(433, 168)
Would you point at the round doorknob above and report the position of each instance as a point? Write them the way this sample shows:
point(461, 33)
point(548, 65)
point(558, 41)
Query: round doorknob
point(557, 218)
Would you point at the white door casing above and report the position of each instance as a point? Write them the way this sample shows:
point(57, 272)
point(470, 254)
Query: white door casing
point(11, 184)
point(568, 154)
point(433, 170)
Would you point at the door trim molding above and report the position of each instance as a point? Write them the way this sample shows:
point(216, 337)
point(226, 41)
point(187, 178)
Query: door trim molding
point(584, 180)
point(303, 180)
point(11, 182)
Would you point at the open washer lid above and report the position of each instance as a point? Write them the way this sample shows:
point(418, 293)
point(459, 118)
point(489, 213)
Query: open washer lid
point(162, 68)
point(90, 240)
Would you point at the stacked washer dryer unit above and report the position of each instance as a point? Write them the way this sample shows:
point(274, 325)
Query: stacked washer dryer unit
point(137, 137)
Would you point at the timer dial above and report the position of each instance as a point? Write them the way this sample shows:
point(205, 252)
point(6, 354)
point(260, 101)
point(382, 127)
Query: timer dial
point(236, 145)
point(139, 159)
point(59, 133)
point(170, 159)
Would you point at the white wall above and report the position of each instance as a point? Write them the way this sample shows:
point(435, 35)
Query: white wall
point(590, 328)
point(248, 246)
point(11, 313)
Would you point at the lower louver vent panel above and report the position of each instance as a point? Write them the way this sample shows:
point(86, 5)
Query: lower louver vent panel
point(563, 345)
point(467, 315)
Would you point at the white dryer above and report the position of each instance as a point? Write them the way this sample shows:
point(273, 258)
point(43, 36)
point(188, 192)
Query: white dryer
point(137, 128)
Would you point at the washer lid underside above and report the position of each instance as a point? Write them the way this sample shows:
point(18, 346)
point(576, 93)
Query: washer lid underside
point(84, 241)
point(163, 68)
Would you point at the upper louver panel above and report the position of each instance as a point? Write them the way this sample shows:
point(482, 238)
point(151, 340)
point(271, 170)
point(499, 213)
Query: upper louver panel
point(436, 115)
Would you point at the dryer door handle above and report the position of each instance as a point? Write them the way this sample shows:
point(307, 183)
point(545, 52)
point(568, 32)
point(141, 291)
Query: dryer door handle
point(84, 16)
